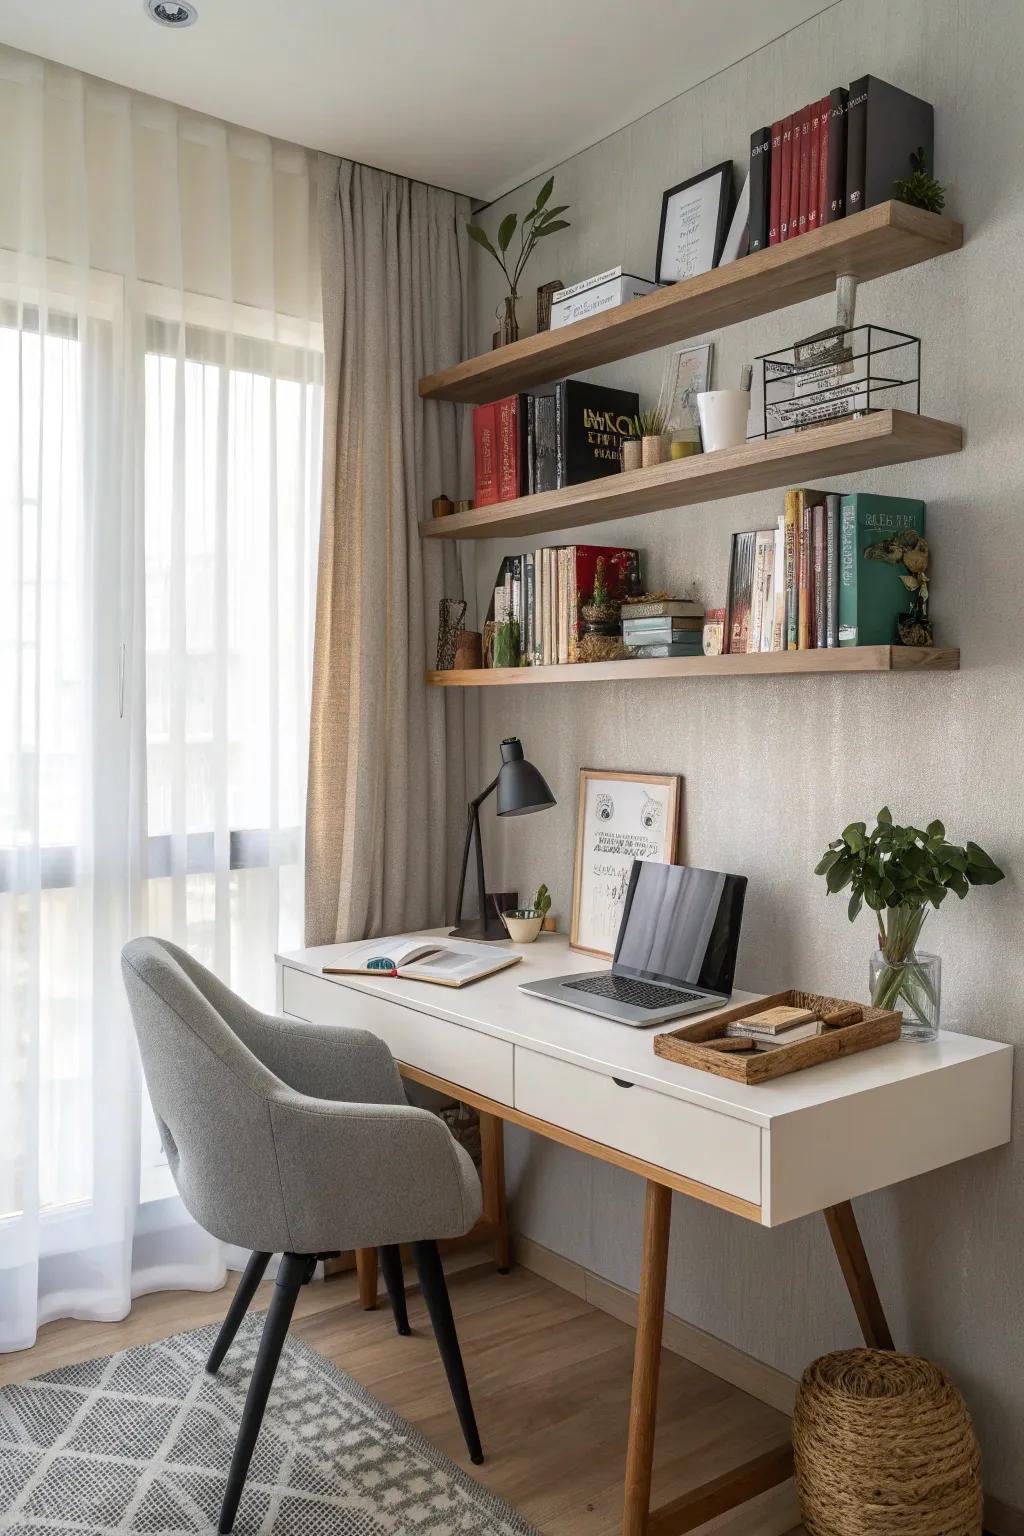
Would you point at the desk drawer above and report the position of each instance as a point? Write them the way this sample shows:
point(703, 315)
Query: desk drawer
point(462, 1056)
point(685, 1138)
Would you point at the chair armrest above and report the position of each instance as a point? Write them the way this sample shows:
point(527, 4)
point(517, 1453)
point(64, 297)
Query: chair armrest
point(360, 1175)
point(324, 1061)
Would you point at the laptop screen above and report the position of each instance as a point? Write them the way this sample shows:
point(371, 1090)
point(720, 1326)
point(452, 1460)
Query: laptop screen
point(681, 925)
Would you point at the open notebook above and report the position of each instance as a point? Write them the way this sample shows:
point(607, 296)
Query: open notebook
point(422, 960)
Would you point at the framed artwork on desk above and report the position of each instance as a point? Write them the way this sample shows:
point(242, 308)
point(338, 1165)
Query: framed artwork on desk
point(620, 817)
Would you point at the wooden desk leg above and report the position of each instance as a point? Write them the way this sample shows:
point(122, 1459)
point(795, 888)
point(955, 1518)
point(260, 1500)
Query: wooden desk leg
point(643, 1403)
point(366, 1269)
point(860, 1282)
point(492, 1177)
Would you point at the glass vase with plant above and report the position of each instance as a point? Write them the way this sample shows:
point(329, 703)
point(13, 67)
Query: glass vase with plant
point(537, 224)
point(900, 874)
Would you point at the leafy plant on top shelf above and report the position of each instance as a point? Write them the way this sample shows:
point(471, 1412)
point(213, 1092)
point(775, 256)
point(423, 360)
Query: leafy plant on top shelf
point(536, 225)
point(542, 900)
point(920, 189)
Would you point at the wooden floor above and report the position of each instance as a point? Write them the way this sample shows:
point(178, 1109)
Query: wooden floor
point(549, 1374)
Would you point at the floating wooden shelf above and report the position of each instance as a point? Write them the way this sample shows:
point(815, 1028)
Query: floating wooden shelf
point(882, 239)
point(853, 658)
point(834, 448)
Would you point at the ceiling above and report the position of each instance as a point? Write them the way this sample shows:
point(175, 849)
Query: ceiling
point(474, 95)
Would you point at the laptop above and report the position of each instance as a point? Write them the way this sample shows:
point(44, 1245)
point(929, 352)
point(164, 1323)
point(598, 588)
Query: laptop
point(675, 953)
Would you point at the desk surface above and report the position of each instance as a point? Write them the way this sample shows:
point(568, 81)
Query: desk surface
point(496, 1006)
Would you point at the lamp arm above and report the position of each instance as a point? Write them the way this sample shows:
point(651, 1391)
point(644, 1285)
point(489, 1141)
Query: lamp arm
point(473, 826)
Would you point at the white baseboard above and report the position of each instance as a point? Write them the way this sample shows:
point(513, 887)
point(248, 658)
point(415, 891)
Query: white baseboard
point(776, 1512)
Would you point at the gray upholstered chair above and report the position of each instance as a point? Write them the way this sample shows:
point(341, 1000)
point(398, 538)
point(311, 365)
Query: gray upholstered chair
point(294, 1138)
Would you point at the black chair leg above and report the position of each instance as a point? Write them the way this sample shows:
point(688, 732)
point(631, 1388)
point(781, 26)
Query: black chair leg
point(295, 1270)
point(435, 1294)
point(244, 1293)
point(391, 1264)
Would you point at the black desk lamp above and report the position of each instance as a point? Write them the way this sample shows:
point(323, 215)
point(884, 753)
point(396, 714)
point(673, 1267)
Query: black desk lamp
point(521, 789)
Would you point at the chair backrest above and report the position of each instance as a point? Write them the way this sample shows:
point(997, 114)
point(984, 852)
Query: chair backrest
point(210, 1094)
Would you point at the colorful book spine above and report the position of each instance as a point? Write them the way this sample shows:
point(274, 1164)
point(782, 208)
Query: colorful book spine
point(779, 588)
point(831, 569)
point(818, 570)
point(485, 455)
point(775, 193)
point(824, 120)
point(792, 570)
point(741, 592)
point(812, 180)
point(874, 533)
point(805, 633)
point(785, 177)
point(794, 176)
point(805, 168)
point(508, 449)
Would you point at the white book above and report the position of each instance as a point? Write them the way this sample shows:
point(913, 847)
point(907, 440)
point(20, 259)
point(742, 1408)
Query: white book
point(538, 607)
point(764, 543)
point(768, 583)
point(445, 965)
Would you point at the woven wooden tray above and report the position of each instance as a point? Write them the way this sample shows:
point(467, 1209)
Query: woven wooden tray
point(877, 1027)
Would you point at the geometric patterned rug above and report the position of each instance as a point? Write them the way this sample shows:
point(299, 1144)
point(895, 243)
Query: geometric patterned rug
point(140, 1441)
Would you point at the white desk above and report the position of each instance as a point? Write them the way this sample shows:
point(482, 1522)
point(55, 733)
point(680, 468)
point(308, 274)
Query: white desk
point(800, 1144)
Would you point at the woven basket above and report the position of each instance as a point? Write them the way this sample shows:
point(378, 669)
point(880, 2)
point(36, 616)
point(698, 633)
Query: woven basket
point(883, 1445)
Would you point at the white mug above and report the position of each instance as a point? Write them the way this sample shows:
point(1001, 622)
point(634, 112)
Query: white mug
point(723, 418)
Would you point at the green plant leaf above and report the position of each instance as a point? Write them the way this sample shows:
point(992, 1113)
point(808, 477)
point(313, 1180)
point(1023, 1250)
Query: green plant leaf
point(825, 863)
point(874, 900)
point(853, 910)
point(959, 883)
point(981, 870)
point(840, 874)
point(885, 816)
point(544, 193)
point(549, 229)
point(936, 829)
point(480, 236)
point(552, 213)
point(506, 229)
point(854, 836)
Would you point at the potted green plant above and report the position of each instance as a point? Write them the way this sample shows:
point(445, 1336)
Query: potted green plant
point(650, 429)
point(542, 904)
point(900, 874)
point(537, 224)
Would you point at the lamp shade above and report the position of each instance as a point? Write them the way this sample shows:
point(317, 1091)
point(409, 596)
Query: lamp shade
point(522, 788)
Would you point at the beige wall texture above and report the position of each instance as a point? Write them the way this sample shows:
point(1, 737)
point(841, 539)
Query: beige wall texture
point(773, 768)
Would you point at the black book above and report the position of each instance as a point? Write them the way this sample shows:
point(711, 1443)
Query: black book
point(884, 127)
point(591, 422)
point(545, 469)
point(835, 185)
point(760, 187)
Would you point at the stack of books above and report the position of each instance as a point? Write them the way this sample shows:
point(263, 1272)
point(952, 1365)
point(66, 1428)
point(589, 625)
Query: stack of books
point(835, 156)
point(829, 573)
point(544, 590)
point(540, 442)
point(673, 627)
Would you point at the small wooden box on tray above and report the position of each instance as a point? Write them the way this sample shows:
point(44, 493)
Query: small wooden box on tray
point(876, 1026)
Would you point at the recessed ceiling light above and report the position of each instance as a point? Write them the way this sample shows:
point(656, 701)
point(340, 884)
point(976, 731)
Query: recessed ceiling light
point(172, 13)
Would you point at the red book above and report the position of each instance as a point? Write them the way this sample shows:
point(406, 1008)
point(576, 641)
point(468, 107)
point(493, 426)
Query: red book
point(621, 572)
point(805, 166)
point(485, 455)
point(775, 203)
point(812, 183)
point(787, 163)
point(794, 177)
point(508, 448)
point(824, 133)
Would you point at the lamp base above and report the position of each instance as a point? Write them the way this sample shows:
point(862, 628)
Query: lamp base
point(490, 932)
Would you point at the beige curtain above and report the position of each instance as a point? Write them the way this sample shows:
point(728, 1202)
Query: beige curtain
point(386, 755)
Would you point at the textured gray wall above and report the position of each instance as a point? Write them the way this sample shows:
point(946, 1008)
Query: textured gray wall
point(772, 769)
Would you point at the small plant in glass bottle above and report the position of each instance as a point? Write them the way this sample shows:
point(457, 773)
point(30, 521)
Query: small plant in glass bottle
point(900, 874)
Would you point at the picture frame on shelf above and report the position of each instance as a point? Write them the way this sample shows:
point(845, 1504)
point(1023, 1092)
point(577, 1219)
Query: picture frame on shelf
point(620, 817)
point(694, 223)
point(687, 374)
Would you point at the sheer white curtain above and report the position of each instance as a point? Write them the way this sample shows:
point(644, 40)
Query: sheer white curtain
point(160, 423)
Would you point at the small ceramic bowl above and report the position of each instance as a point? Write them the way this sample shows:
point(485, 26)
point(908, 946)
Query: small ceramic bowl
point(522, 926)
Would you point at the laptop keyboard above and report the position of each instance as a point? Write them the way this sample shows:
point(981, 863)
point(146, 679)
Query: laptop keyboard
point(641, 994)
